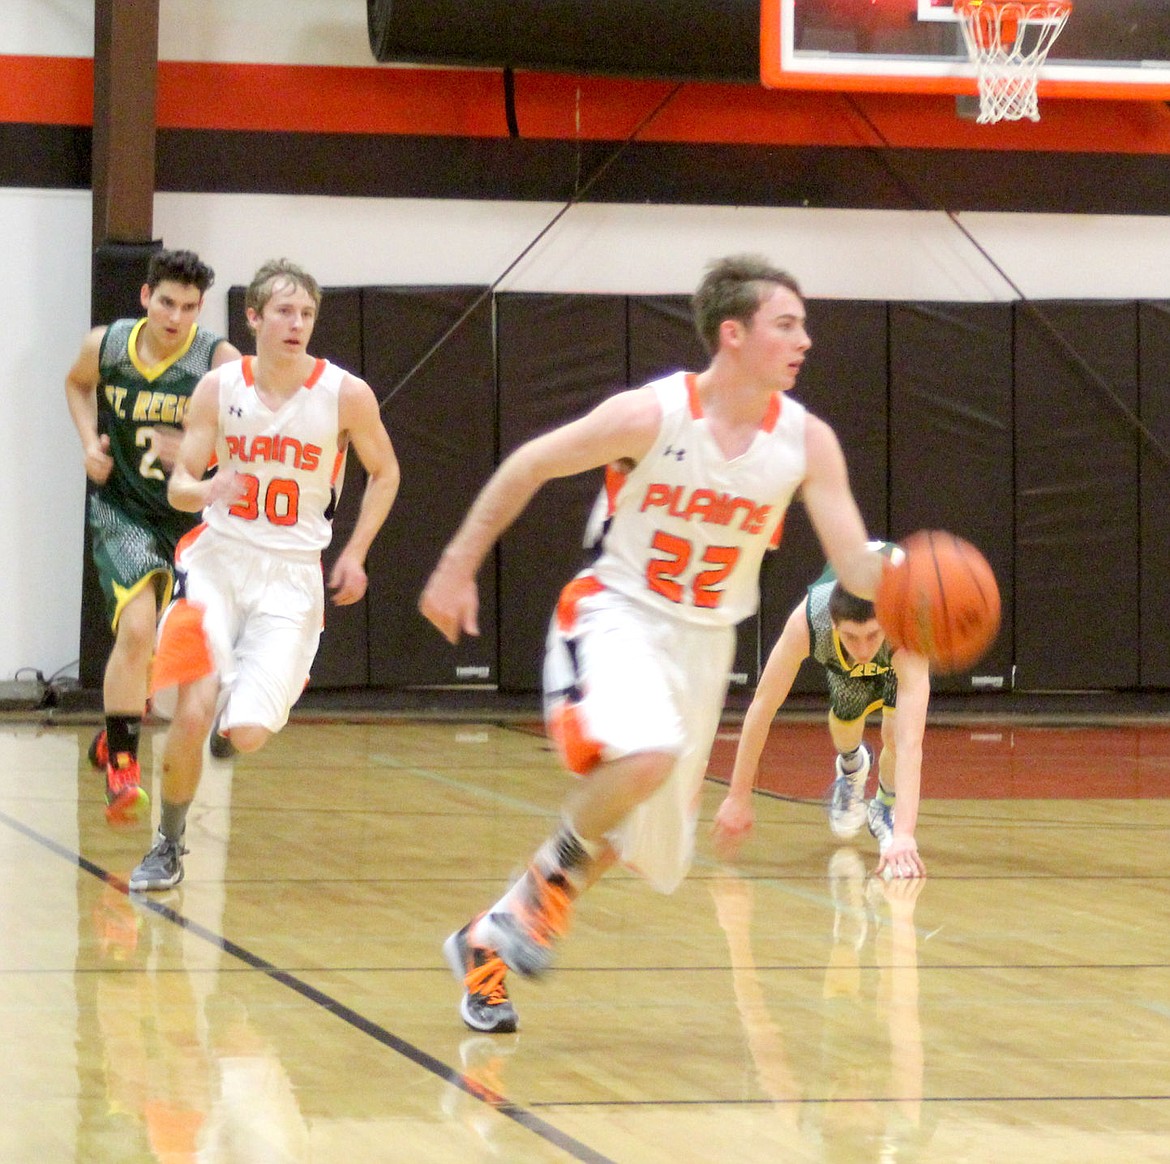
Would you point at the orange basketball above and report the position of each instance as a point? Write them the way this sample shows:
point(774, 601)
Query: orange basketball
point(940, 600)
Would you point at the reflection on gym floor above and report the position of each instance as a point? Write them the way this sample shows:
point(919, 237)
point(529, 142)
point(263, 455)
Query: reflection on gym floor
point(288, 1001)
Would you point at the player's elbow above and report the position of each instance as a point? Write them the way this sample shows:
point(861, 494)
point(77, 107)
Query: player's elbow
point(390, 476)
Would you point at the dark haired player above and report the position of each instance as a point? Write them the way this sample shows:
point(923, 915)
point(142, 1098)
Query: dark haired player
point(128, 391)
point(840, 631)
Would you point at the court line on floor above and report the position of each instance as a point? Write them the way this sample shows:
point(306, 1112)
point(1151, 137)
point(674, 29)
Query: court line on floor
point(496, 1102)
point(849, 1100)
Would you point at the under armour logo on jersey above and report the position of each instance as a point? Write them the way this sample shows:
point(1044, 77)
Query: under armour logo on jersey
point(235, 411)
point(677, 454)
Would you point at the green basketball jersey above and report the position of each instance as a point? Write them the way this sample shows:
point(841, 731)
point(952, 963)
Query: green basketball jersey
point(133, 400)
point(824, 647)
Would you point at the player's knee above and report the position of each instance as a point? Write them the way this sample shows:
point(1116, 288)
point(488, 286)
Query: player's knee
point(192, 721)
point(135, 638)
point(249, 737)
point(647, 772)
point(194, 709)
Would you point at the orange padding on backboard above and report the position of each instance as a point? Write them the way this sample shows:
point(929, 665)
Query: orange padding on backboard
point(775, 76)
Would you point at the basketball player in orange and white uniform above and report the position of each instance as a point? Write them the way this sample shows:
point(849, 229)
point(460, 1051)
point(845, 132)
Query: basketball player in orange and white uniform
point(684, 534)
point(642, 642)
point(242, 633)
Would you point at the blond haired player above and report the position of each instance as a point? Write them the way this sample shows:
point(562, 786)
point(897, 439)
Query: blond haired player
point(641, 643)
point(242, 634)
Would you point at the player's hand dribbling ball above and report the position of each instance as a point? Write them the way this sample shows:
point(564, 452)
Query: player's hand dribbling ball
point(941, 600)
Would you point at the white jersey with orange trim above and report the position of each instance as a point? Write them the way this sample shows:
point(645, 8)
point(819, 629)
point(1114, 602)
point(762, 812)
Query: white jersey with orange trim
point(687, 528)
point(291, 460)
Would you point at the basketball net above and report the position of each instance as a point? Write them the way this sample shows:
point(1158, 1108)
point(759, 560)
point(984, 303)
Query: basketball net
point(1008, 41)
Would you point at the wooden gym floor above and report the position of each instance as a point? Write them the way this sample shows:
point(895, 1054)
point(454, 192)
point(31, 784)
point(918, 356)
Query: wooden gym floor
point(288, 1001)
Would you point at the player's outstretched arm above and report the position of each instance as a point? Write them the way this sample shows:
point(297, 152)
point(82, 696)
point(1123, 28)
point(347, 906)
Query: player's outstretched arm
point(623, 426)
point(901, 858)
point(834, 513)
point(735, 817)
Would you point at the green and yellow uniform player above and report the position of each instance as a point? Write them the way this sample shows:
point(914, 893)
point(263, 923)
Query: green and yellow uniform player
point(128, 391)
point(864, 674)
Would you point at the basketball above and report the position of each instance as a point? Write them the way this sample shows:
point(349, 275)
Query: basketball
point(940, 600)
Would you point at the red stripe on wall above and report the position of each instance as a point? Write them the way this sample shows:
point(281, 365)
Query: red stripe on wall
point(470, 103)
point(548, 106)
point(318, 99)
point(46, 90)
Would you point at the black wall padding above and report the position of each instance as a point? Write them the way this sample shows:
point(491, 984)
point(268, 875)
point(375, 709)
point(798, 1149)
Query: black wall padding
point(118, 272)
point(559, 355)
point(662, 339)
point(337, 336)
point(238, 331)
point(342, 658)
point(951, 443)
point(844, 382)
point(1154, 469)
point(678, 39)
point(443, 425)
point(1076, 594)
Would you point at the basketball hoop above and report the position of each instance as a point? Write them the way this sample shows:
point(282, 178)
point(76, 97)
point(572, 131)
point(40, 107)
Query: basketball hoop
point(1008, 41)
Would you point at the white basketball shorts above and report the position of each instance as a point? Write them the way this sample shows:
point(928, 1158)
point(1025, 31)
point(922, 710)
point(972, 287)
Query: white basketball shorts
point(622, 678)
point(252, 616)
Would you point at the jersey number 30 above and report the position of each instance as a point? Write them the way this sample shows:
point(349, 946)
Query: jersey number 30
point(281, 500)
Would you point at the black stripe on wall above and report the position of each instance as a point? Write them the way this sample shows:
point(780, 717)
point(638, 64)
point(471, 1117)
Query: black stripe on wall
point(49, 156)
point(410, 166)
point(662, 172)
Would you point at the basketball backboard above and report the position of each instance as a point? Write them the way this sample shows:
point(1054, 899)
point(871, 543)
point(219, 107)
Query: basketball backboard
point(1108, 48)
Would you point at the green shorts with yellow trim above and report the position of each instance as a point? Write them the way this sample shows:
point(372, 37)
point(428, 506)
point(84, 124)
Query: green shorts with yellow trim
point(129, 556)
point(852, 699)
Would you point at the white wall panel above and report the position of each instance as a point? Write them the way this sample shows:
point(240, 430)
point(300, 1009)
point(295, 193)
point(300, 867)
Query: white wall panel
point(840, 254)
point(44, 303)
point(47, 28)
point(302, 32)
